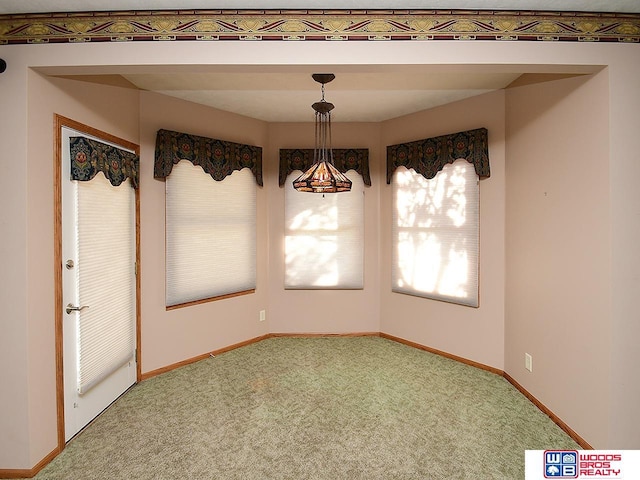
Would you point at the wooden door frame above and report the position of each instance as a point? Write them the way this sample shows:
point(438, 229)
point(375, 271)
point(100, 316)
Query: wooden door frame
point(59, 123)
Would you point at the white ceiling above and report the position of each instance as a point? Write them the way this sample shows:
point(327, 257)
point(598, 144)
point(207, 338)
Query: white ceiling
point(357, 96)
point(35, 6)
point(285, 94)
point(360, 93)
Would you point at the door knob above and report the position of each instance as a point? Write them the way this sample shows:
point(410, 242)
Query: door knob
point(72, 308)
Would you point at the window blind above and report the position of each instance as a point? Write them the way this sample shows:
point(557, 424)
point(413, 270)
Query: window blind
point(210, 234)
point(324, 237)
point(106, 278)
point(436, 234)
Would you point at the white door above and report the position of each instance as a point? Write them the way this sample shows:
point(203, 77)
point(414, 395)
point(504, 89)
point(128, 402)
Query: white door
point(98, 291)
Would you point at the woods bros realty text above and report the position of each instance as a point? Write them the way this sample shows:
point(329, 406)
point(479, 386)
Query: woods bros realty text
point(602, 465)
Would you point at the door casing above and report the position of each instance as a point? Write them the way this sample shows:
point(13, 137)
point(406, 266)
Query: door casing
point(60, 122)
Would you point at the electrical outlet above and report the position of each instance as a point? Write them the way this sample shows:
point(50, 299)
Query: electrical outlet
point(263, 315)
point(528, 362)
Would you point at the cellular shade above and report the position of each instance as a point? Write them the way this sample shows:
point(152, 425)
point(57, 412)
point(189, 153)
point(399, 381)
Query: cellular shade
point(106, 278)
point(210, 234)
point(324, 237)
point(436, 234)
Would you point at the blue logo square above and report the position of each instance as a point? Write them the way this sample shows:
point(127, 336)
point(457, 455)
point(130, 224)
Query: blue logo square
point(560, 464)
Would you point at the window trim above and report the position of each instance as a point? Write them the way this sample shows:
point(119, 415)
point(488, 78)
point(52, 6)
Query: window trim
point(209, 299)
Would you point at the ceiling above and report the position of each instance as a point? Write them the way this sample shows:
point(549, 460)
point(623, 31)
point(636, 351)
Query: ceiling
point(359, 93)
point(48, 6)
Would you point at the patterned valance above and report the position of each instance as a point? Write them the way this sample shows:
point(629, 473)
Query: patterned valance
point(344, 159)
point(218, 158)
point(429, 156)
point(88, 157)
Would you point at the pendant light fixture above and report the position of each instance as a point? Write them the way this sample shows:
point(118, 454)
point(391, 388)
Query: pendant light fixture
point(322, 176)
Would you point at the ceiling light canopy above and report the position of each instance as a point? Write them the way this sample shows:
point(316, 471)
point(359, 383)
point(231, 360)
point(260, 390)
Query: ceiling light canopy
point(322, 176)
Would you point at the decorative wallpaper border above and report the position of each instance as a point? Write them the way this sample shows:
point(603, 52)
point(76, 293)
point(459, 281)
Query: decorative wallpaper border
point(295, 25)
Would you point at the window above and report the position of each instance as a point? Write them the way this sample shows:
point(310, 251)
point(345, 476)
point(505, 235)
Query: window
point(436, 234)
point(210, 234)
point(324, 237)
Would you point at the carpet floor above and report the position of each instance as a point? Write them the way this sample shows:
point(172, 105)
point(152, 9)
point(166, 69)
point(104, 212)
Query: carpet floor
point(314, 408)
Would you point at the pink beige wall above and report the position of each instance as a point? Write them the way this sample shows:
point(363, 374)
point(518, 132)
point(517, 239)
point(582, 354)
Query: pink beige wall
point(351, 311)
point(192, 331)
point(486, 335)
point(113, 110)
point(558, 297)
point(472, 333)
point(623, 381)
point(172, 336)
point(15, 440)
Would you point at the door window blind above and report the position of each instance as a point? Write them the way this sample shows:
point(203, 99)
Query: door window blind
point(106, 278)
